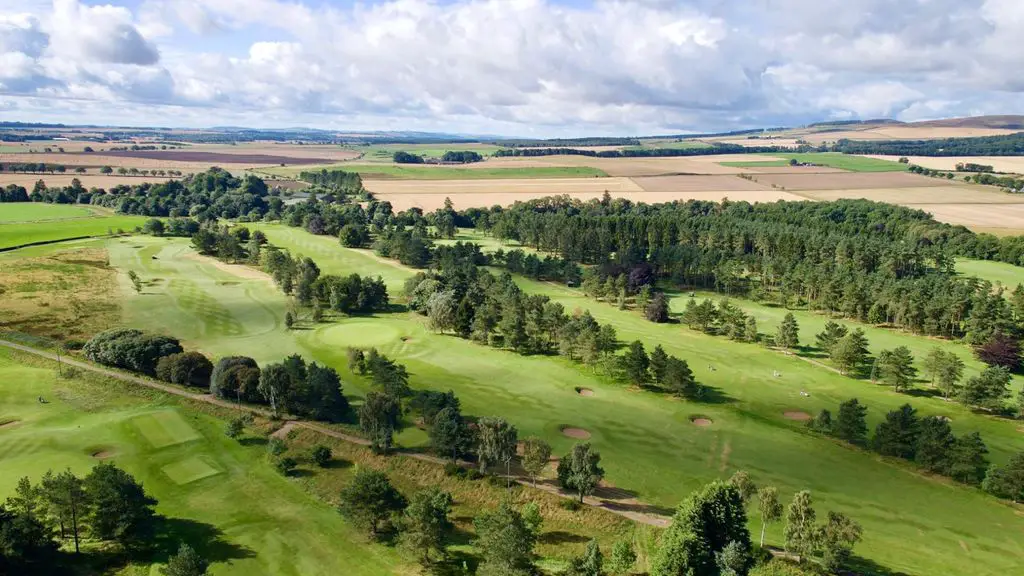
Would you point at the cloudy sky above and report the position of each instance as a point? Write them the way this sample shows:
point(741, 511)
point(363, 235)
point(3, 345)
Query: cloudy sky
point(512, 67)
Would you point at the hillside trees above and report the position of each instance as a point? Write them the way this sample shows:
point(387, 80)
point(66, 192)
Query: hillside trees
point(130, 349)
point(704, 525)
point(580, 470)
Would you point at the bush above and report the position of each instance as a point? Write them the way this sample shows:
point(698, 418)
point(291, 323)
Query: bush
point(473, 474)
point(234, 377)
point(186, 368)
point(570, 504)
point(276, 446)
point(320, 455)
point(452, 469)
point(234, 428)
point(285, 465)
point(130, 349)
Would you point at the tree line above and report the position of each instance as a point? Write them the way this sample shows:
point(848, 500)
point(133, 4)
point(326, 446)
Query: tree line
point(1007, 145)
point(929, 443)
point(712, 150)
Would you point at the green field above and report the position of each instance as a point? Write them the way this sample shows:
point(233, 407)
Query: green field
point(913, 523)
point(219, 495)
point(424, 172)
point(830, 159)
point(38, 211)
point(19, 234)
point(1006, 274)
point(670, 144)
point(385, 152)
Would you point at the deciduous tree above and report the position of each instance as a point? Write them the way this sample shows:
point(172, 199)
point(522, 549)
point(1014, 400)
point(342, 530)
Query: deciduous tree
point(580, 470)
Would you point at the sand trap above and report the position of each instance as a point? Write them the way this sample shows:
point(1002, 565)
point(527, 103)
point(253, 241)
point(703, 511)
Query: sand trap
point(584, 391)
point(8, 423)
point(239, 270)
point(103, 454)
point(577, 433)
point(701, 421)
point(797, 415)
point(945, 418)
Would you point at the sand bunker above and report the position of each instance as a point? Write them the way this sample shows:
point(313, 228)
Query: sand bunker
point(584, 391)
point(797, 415)
point(103, 454)
point(701, 421)
point(8, 423)
point(577, 433)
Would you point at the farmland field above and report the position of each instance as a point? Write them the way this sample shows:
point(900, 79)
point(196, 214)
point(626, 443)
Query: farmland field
point(1011, 164)
point(478, 171)
point(27, 181)
point(385, 152)
point(21, 233)
point(34, 212)
point(830, 159)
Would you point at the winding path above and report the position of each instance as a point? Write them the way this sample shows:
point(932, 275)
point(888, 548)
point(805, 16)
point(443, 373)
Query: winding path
point(630, 508)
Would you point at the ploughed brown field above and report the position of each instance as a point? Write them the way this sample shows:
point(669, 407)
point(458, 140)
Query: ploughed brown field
point(696, 183)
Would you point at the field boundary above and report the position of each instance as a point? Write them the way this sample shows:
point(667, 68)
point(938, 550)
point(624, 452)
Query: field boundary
point(45, 242)
point(648, 518)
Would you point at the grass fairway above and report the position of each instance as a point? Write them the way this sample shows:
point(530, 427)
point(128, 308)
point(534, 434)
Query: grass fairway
point(20, 234)
point(417, 172)
point(995, 272)
point(830, 159)
point(913, 523)
point(38, 211)
point(219, 495)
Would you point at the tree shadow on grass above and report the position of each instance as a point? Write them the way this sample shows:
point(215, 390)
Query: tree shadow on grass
point(205, 539)
point(561, 537)
point(859, 566)
point(253, 441)
point(638, 508)
point(337, 464)
point(922, 392)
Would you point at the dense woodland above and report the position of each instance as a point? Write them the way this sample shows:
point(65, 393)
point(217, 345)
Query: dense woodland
point(1009, 145)
point(712, 150)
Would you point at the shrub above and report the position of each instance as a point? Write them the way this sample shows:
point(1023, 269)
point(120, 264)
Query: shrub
point(276, 446)
point(234, 428)
point(320, 455)
point(236, 376)
point(474, 474)
point(285, 465)
point(130, 349)
point(186, 368)
point(570, 504)
point(453, 469)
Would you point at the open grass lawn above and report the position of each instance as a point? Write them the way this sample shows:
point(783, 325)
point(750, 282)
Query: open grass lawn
point(22, 233)
point(1006, 274)
point(830, 159)
point(416, 172)
point(219, 495)
point(38, 211)
point(386, 152)
point(913, 523)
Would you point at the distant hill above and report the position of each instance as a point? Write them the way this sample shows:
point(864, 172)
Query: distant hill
point(1006, 122)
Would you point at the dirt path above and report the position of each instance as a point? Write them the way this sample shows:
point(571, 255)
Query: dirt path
point(630, 508)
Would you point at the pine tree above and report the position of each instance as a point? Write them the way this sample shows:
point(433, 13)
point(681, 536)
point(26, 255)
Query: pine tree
point(788, 335)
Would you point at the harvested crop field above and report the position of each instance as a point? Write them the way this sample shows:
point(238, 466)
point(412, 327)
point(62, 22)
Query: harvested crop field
point(987, 217)
point(948, 194)
point(696, 183)
point(909, 132)
point(1014, 164)
point(432, 201)
point(87, 180)
point(533, 186)
point(847, 180)
point(655, 166)
point(214, 158)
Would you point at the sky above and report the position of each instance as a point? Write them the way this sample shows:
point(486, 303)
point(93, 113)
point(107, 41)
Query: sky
point(535, 68)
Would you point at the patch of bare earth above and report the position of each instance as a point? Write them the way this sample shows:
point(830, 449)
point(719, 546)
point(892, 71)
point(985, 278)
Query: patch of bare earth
point(8, 423)
point(701, 421)
point(584, 391)
point(575, 433)
point(103, 454)
point(797, 415)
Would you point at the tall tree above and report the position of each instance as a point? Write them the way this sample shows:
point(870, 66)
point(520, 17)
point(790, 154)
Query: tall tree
point(119, 508)
point(426, 525)
point(967, 462)
point(897, 435)
point(831, 335)
point(658, 362)
point(66, 499)
point(679, 379)
point(378, 419)
point(746, 487)
point(1000, 350)
point(897, 367)
point(800, 529)
point(580, 470)
point(850, 351)
point(851, 424)
point(590, 563)
point(505, 542)
point(622, 558)
point(496, 441)
point(788, 335)
point(770, 508)
point(657, 309)
point(634, 363)
point(836, 539)
point(987, 390)
point(935, 445)
point(450, 436)
point(536, 454)
point(703, 525)
point(370, 499)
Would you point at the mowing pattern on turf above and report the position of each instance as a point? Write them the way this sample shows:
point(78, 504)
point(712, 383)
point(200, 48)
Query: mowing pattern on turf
point(216, 318)
point(189, 470)
point(165, 429)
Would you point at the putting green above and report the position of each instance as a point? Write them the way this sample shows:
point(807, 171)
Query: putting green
point(165, 429)
point(358, 334)
point(189, 470)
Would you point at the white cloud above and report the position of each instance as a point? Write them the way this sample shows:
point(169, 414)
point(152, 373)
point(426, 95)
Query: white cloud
point(517, 66)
